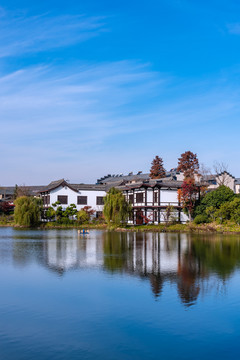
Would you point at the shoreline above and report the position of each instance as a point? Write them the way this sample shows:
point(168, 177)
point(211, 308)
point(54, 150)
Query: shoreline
point(162, 228)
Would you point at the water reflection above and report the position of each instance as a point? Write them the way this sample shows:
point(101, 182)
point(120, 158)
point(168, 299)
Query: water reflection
point(194, 264)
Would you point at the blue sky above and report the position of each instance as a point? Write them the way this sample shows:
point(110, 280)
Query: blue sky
point(95, 87)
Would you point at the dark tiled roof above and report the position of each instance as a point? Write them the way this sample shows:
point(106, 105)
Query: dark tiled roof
point(75, 187)
point(152, 183)
point(124, 178)
point(88, 187)
point(54, 184)
point(31, 190)
point(134, 177)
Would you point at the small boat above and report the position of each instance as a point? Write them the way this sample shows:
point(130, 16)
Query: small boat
point(83, 232)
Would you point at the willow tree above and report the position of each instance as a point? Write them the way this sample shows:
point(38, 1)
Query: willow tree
point(27, 211)
point(116, 208)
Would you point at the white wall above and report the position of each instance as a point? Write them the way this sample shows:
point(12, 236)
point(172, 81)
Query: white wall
point(184, 218)
point(150, 195)
point(227, 180)
point(169, 197)
point(237, 188)
point(72, 197)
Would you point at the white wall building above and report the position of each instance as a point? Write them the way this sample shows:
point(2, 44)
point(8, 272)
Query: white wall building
point(79, 194)
point(149, 199)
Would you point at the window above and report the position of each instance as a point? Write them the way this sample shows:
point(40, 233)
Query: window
point(82, 200)
point(131, 199)
point(99, 200)
point(63, 199)
point(139, 198)
point(46, 200)
point(155, 216)
point(155, 197)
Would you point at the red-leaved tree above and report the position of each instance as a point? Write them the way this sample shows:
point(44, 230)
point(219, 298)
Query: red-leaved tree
point(187, 195)
point(188, 164)
point(157, 170)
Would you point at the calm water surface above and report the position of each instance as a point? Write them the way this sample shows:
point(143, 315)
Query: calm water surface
point(118, 295)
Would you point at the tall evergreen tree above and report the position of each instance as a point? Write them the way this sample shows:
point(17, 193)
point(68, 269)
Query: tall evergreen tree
point(157, 170)
point(188, 164)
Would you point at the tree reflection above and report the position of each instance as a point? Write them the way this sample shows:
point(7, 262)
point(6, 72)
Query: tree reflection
point(190, 262)
point(156, 284)
point(116, 251)
point(218, 254)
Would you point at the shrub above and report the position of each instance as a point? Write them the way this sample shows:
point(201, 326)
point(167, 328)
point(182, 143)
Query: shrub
point(236, 216)
point(211, 213)
point(201, 219)
point(65, 221)
point(215, 199)
point(50, 213)
point(83, 217)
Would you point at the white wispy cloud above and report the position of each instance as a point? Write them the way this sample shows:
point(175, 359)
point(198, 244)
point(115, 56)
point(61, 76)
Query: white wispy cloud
point(20, 33)
point(57, 118)
point(80, 121)
point(87, 97)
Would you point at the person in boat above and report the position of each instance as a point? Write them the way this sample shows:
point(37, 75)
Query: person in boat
point(83, 231)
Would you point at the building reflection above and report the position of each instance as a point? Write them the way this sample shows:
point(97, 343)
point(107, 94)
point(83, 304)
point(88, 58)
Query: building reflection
point(187, 262)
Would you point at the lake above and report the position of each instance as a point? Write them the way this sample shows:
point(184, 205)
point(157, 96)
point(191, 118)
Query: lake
point(114, 295)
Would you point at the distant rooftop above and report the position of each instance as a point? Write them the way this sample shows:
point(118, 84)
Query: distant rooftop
point(132, 177)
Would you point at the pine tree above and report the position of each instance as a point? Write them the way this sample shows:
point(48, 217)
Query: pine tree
point(188, 164)
point(157, 170)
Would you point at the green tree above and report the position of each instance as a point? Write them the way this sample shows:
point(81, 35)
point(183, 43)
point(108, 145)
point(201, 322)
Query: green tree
point(224, 212)
point(210, 212)
point(215, 199)
point(83, 217)
point(50, 213)
point(236, 216)
point(27, 211)
point(15, 194)
point(70, 211)
point(116, 208)
point(229, 211)
point(58, 211)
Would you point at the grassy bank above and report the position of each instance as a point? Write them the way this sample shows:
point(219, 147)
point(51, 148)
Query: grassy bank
point(53, 225)
point(229, 228)
point(175, 228)
point(189, 228)
point(6, 220)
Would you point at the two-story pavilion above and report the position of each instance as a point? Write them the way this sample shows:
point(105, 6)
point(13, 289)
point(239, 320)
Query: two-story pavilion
point(150, 200)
